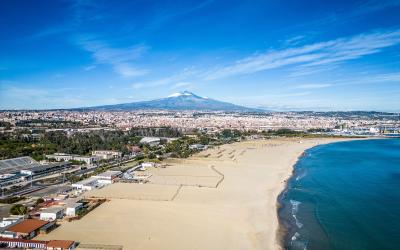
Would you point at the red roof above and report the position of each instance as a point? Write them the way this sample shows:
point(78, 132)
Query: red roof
point(22, 240)
point(63, 244)
point(27, 226)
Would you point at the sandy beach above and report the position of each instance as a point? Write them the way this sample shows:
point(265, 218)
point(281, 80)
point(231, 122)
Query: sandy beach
point(221, 198)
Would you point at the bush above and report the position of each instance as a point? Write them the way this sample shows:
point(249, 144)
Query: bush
point(39, 201)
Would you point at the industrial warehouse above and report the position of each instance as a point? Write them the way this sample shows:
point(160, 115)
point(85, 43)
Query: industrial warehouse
point(25, 168)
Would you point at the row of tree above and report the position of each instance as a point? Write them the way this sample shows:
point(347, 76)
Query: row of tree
point(59, 141)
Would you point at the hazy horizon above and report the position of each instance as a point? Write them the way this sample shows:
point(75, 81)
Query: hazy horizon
point(266, 109)
point(320, 56)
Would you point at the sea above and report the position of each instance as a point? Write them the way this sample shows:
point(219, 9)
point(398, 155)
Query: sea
point(344, 195)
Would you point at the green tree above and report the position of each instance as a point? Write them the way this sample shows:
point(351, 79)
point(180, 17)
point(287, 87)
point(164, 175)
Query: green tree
point(18, 209)
point(146, 150)
point(39, 201)
point(203, 139)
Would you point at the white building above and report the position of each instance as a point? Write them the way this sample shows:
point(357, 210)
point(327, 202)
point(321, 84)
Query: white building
point(374, 130)
point(151, 141)
point(69, 157)
point(107, 177)
point(9, 221)
point(145, 165)
point(87, 184)
point(52, 213)
point(107, 154)
point(72, 208)
point(198, 146)
point(8, 234)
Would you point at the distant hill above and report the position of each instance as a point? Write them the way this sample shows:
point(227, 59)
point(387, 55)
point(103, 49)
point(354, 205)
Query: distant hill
point(179, 101)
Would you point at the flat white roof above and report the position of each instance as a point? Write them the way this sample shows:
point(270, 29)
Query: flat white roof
point(109, 173)
point(150, 139)
point(86, 157)
point(70, 155)
point(106, 151)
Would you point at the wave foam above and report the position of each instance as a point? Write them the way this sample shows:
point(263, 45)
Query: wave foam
point(295, 208)
point(295, 236)
point(297, 242)
point(300, 176)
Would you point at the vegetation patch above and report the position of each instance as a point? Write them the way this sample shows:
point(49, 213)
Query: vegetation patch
point(12, 199)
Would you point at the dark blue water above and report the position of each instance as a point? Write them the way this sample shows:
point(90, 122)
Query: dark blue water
point(344, 196)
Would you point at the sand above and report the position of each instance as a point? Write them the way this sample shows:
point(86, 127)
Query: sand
point(222, 198)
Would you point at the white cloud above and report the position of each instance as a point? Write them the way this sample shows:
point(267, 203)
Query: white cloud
point(313, 86)
point(370, 79)
point(284, 95)
point(138, 85)
point(90, 67)
point(312, 55)
point(181, 84)
point(388, 77)
point(303, 71)
point(121, 59)
point(366, 79)
point(176, 80)
point(294, 40)
point(128, 70)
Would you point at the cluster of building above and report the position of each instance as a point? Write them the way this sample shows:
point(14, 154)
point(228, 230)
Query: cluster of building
point(18, 232)
point(25, 168)
point(96, 156)
point(89, 160)
point(59, 209)
point(38, 244)
point(97, 181)
point(210, 121)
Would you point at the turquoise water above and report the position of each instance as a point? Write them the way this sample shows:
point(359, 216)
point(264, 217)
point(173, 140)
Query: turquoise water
point(344, 196)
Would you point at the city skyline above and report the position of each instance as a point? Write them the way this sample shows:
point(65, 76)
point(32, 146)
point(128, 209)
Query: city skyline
point(272, 55)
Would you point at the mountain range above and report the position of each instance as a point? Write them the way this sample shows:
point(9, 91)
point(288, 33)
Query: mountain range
point(179, 101)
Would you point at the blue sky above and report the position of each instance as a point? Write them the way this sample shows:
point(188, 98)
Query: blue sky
point(280, 55)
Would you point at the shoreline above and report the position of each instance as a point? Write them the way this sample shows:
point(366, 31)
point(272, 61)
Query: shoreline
point(239, 212)
point(282, 230)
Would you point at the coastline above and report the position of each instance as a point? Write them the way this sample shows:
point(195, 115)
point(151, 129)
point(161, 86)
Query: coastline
point(187, 206)
point(282, 230)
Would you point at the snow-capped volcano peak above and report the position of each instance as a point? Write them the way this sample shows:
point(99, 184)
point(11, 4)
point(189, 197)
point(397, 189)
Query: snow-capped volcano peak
point(184, 93)
point(184, 100)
